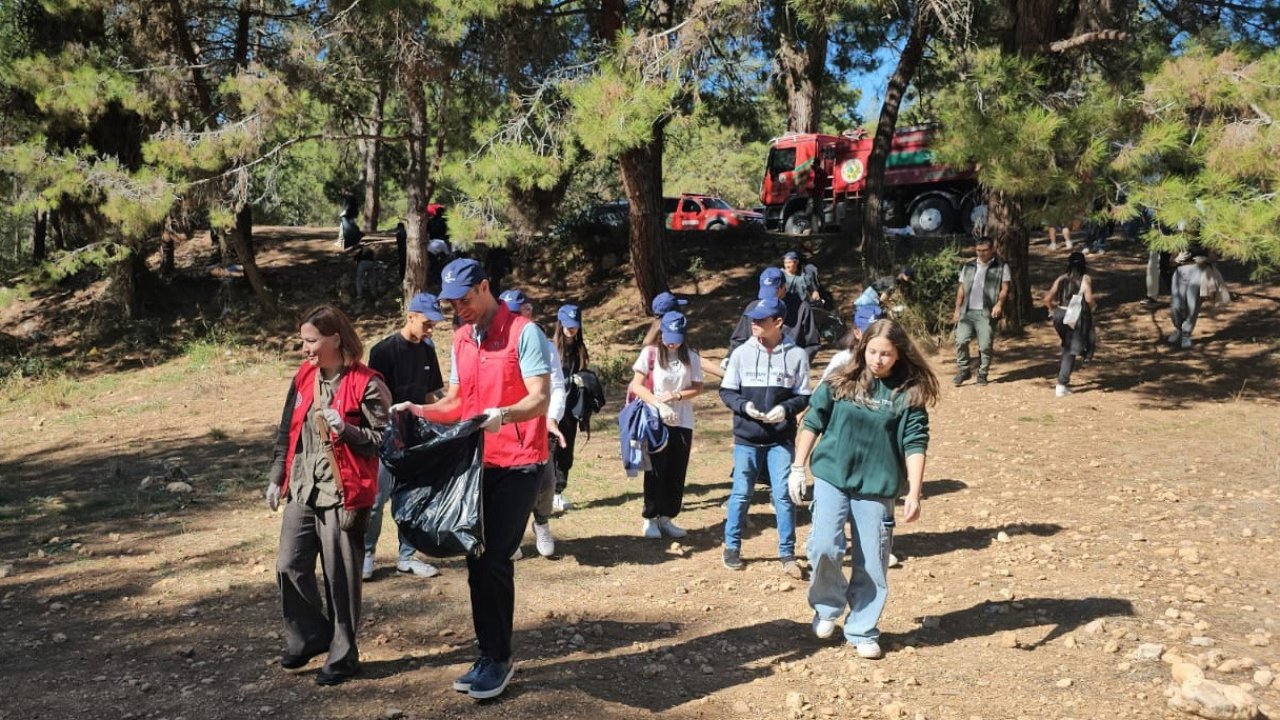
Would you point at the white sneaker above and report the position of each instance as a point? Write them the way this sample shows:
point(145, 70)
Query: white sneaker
point(417, 568)
point(367, 571)
point(543, 538)
point(1186, 342)
point(894, 561)
point(1061, 391)
point(670, 529)
point(869, 650)
point(517, 555)
point(1175, 337)
point(650, 529)
point(822, 628)
point(559, 504)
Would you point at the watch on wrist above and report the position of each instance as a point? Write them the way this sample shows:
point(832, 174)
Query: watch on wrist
point(504, 415)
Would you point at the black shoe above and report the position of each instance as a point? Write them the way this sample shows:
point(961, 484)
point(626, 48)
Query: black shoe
point(732, 559)
point(981, 381)
point(293, 662)
point(326, 679)
point(960, 378)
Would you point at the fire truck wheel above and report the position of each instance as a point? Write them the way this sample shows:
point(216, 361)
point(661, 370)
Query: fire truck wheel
point(931, 216)
point(798, 224)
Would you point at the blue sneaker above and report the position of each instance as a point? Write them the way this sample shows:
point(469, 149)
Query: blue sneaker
point(492, 679)
point(463, 684)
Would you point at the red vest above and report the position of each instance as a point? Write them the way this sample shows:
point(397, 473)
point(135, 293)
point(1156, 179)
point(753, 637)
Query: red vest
point(357, 475)
point(489, 377)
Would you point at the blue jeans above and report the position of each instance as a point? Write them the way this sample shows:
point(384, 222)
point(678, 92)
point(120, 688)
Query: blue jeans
point(864, 594)
point(386, 482)
point(746, 468)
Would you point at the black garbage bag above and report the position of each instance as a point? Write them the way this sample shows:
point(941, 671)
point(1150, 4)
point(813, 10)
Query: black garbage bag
point(437, 500)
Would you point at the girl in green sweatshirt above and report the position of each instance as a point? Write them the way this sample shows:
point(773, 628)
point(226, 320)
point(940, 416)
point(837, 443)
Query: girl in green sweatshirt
point(865, 437)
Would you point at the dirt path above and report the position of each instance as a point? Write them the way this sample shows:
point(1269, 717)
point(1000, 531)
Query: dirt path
point(1060, 540)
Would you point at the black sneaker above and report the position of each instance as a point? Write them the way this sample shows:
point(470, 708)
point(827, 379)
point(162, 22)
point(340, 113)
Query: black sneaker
point(492, 679)
point(324, 678)
point(732, 559)
point(293, 662)
point(463, 684)
point(981, 381)
point(960, 378)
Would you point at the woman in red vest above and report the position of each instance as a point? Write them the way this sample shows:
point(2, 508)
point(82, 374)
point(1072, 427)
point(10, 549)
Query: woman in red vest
point(325, 472)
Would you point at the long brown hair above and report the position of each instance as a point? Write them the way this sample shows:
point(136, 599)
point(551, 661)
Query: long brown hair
point(577, 346)
point(329, 320)
point(854, 382)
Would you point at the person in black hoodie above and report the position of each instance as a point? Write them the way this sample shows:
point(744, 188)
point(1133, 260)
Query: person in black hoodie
point(797, 323)
point(766, 385)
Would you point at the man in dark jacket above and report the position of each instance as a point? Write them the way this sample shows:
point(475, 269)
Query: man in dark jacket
point(766, 385)
point(797, 325)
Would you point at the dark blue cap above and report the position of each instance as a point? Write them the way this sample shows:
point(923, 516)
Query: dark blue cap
point(428, 305)
point(766, 308)
point(515, 299)
point(770, 280)
point(791, 255)
point(674, 327)
point(569, 316)
point(458, 278)
point(908, 272)
point(665, 302)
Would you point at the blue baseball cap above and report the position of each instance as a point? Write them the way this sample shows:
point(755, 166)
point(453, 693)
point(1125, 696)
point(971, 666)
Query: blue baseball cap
point(770, 280)
point(665, 302)
point(459, 277)
point(908, 272)
point(515, 299)
point(791, 255)
point(428, 305)
point(864, 315)
point(569, 316)
point(674, 327)
point(766, 308)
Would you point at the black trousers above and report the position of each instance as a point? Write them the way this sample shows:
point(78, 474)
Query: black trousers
point(664, 485)
point(508, 500)
point(564, 455)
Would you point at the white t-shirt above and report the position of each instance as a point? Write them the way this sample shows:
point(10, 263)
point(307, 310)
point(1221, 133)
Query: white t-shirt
point(844, 357)
point(676, 376)
point(980, 283)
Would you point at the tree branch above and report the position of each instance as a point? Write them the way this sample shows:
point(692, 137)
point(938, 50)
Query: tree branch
point(1087, 38)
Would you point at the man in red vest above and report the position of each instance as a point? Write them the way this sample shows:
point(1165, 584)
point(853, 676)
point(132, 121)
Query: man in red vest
point(499, 369)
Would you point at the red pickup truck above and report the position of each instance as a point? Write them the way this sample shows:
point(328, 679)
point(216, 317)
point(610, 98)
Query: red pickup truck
point(705, 212)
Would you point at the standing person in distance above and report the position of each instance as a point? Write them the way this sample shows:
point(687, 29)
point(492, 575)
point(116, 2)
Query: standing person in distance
point(980, 296)
point(1078, 341)
point(571, 347)
point(499, 369)
point(798, 323)
point(667, 376)
point(408, 363)
point(766, 385)
point(865, 437)
point(325, 471)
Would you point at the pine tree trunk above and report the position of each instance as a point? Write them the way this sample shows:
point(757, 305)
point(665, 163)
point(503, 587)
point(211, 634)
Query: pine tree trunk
point(415, 273)
point(242, 239)
point(803, 62)
point(372, 155)
point(39, 231)
point(1008, 231)
point(642, 180)
point(873, 197)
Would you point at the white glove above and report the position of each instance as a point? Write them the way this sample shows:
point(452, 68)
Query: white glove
point(334, 419)
point(750, 411)
point(667, 413)
point(405, 406)
point(577, 379)
point(776, 415)
point(273, 496)
point(492, 420)
point(796, 484)
point(724, 364)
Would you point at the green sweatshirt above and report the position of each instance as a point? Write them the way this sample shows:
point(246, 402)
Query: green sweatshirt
point(863, 448)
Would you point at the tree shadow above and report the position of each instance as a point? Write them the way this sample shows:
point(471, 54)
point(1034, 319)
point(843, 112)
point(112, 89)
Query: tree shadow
point(989, 618)
point(928, 544)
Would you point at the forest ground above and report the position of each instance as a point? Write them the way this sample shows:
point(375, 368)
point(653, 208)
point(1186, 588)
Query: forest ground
point(1061, 539)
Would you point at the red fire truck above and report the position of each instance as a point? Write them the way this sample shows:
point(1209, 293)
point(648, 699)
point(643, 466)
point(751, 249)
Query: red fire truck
point(814, 183)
